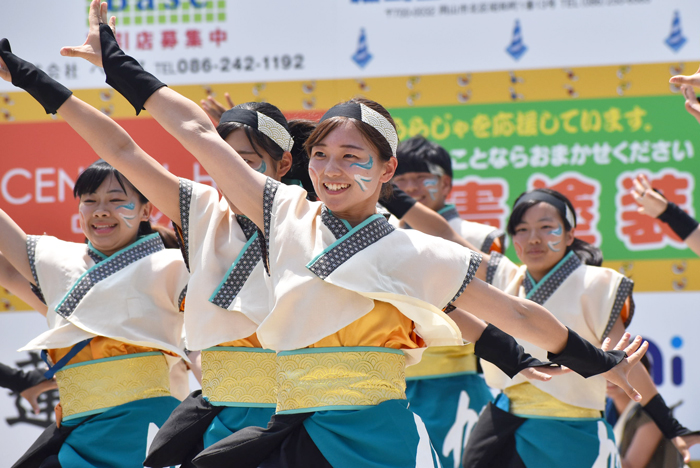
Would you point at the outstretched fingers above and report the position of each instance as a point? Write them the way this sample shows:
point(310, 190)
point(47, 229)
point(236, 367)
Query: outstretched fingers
point(691, 101)
point(692, 80)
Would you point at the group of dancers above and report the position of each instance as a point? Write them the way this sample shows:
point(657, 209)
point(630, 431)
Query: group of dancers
point(331, 333)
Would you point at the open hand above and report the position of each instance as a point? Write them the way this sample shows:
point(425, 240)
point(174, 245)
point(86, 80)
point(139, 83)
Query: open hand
point(683, 443)
point(91, 50)
point(691, 101)
point(214, 108)
point(32, 393)
point(650, 202)
point(618, 374)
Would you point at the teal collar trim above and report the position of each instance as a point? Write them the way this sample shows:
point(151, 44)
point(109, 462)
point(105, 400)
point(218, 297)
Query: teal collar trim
point(355, 240)
point(132, 253)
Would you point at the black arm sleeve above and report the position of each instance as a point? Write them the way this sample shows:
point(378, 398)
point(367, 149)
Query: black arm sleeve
point(18, 380)
point(501, 350)
point(398, 203)
point(585, 359)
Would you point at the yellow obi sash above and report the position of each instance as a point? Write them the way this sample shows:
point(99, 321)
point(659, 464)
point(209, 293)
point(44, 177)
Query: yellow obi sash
point(528, 400)
point(93, 387)
point(443, 361)
point(234, 376)
point(343, 378)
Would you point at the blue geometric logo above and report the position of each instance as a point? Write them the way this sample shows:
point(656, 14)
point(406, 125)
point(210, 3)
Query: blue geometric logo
point(362, 55)
point(517, 47)
point(675, 39)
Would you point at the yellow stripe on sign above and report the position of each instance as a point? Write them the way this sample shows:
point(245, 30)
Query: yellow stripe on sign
point(553, 84)
point(660, 275)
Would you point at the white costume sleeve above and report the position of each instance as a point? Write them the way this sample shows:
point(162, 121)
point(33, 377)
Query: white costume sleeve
point(130, 296)
point(226, 297)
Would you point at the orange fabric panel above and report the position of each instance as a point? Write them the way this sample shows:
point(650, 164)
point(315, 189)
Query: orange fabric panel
point(384, 326)
point(99, 348)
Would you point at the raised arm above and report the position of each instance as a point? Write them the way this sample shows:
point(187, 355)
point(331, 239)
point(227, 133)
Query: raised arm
point(13, 243)
point(13, 281)
point(104, 135)
point(654, 204)
point(182, 118)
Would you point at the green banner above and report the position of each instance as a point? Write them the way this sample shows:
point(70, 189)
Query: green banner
point(588, 149)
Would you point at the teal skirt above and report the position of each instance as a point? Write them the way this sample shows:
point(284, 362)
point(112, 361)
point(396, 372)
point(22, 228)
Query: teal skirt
point(387, 435)
point(449, 407)
point(233, 419)
point(117, 438)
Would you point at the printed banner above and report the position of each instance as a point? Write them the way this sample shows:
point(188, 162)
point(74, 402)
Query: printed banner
point(589, 150)
point(226, 41)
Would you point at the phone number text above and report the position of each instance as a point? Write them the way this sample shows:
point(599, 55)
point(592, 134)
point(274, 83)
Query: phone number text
point(231, 64)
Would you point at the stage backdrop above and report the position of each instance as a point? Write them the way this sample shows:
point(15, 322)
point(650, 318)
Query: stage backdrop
point(569, 94)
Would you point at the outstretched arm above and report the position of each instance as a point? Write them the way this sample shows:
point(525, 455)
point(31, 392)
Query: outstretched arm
point(654, 204)
point(104, 135)
point(527, 320)
point(182, 118)
point(640, 378)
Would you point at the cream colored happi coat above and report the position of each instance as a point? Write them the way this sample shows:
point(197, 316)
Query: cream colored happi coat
point(324, 274)
point(132, 296)
point(479, 235)
point(587, 299)
point(227, 293)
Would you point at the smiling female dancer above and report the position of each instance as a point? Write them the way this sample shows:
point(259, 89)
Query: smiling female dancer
point(114, 321)
point(558, 423)
point(226, 296)
point(337, 255)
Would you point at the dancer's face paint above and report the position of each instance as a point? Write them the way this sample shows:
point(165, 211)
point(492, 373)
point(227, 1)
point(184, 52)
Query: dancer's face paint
point(557, 234)
point(238, 140)
point(127, 213)
point(111, 215)
point(431, 185)
point(359, 178)
point(424, 187)
point(540, 240)
point(347, 173)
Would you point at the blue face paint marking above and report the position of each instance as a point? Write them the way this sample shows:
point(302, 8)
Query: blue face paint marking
point(361, 181)
point(431, 185)
point(367, 166)
point(556, 232)
point(126, 219)
point(262, 168)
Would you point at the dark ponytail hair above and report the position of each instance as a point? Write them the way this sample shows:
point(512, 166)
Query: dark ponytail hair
point(90, 180)
point(588, 253)
point(257, 138)
point(300, 129)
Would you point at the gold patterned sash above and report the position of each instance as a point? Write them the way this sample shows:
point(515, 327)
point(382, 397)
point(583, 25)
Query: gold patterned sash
point(93, 387)
point(443, 361)
point(234, 376)
point(318, 379)
point(528, 400)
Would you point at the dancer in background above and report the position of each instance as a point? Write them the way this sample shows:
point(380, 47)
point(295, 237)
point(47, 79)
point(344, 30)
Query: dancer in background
point(444, 389)
point(639, 440)
point(557, 423)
